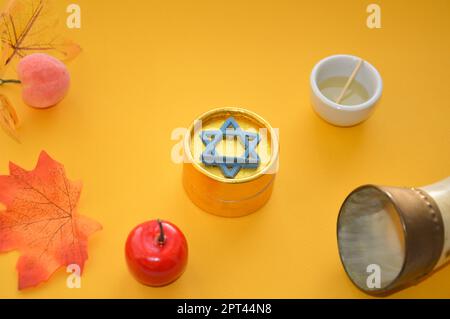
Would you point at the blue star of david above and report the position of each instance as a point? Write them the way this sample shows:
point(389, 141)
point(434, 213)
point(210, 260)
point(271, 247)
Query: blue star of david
point(229, 165)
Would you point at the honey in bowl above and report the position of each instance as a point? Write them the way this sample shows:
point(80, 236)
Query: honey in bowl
point(332, 87)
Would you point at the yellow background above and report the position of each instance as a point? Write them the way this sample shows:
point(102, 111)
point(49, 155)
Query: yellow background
point(149, 67)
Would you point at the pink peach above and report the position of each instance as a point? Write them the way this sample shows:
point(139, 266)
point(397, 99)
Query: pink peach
point(45, 80)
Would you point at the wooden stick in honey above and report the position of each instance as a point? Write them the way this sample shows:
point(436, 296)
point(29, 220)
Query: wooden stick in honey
point(349, 81)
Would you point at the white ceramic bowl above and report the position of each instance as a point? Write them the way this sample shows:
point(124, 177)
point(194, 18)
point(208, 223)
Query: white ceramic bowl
point(343, 65)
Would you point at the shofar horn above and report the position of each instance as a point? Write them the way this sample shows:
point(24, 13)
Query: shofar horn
point(390, 238)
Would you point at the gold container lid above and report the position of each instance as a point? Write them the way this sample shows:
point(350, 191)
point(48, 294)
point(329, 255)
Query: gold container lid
point(231, 157)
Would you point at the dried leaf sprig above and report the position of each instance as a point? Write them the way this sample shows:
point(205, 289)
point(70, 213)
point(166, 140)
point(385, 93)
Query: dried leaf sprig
point(27, 27)
point(30, 26)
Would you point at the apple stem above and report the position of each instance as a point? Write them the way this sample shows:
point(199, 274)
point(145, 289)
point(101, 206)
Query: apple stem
point(161, 238)
point(3, 81)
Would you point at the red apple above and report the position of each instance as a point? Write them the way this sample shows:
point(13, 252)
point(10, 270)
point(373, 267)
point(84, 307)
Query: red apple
point(156, 253)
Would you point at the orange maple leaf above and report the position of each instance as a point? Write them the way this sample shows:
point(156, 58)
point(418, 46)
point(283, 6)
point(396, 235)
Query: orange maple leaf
point(41, 220)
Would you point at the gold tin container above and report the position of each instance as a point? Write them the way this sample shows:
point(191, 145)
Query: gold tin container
point(209, 186)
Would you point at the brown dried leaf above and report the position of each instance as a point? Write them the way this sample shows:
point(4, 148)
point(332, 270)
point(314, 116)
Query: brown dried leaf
point(8, 118)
